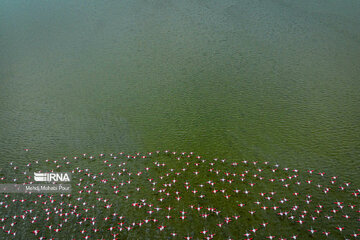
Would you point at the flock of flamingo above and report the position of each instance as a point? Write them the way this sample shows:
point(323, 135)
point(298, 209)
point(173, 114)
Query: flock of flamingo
point(178, 195)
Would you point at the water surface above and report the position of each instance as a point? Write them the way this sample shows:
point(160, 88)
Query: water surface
point(269, 80)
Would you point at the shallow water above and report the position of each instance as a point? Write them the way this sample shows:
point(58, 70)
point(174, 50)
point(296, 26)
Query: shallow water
point(268, 80)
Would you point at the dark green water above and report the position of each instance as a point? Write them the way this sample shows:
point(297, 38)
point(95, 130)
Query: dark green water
point(270, 80)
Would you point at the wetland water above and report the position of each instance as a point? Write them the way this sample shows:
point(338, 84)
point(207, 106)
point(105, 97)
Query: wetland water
point(262, 80)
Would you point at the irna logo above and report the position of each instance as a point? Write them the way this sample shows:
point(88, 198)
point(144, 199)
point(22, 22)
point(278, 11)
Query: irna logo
point(51, 177)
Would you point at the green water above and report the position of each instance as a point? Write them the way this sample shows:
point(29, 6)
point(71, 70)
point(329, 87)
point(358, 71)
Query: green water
point(270, 80)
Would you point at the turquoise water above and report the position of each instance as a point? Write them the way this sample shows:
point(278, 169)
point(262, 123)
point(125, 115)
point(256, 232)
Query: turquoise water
point(268, 80)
